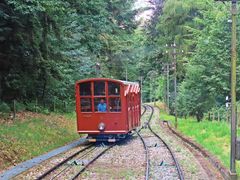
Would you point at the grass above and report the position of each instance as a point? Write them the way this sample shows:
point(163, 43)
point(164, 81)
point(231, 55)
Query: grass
point(33, 136)
point(212, 135)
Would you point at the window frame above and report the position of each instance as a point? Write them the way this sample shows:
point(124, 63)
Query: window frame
point(106, 96)
point(114, 96)
point(81, 91)
point(120, 104)
point(80, 102)
point(119, 94)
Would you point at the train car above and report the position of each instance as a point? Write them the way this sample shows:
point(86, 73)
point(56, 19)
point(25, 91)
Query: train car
point(107, 109)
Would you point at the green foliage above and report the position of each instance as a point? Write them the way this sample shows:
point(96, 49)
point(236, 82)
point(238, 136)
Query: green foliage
point(201, 29)
point(45, 46)
point(20, 107)
point(4, 108)
point(204, 87)
point(45, 111)
point(31, 106)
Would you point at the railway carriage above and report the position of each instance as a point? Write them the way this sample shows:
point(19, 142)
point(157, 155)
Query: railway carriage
point(107, 109)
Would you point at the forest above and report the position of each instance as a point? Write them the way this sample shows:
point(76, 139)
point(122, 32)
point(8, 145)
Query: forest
point(47, 45)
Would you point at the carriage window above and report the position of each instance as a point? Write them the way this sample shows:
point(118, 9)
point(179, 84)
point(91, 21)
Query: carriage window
point(113, 88)
point(115, 104)
point(100, 105)
point(86, 105)
point(85, 89)
point(99, 88)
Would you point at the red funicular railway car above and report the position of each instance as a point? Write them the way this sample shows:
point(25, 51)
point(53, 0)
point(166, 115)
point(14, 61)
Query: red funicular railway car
point(107, 109)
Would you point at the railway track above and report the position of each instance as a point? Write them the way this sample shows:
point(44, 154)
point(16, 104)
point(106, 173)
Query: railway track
point(74, 164)
point(92, 160)
point(147, 172)
point(144, 110)
point(147, 159)
point(66, 165)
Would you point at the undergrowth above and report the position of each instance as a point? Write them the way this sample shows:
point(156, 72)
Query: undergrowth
point(26, 138)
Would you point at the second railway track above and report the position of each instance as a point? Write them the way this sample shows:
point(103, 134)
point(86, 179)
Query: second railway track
point(163, 143)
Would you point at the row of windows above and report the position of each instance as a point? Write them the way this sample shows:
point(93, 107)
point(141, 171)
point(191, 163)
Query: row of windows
point(99, 88)
point(100, 104)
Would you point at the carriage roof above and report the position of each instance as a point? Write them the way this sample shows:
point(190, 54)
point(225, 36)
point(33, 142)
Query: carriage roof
point(108, 79)
point(131, 87)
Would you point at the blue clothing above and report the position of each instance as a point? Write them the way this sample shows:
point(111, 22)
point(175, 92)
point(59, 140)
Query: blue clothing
point(102, 107)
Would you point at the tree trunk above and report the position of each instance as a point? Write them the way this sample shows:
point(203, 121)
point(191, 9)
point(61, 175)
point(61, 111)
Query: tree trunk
point(199, 116)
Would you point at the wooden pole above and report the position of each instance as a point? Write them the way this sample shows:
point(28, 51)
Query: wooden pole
point(36, 104)
point(65, 106)
point(14, 109)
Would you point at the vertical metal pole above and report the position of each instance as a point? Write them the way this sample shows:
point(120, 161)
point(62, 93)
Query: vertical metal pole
point(175, 83)
point(141, 80)
point(150, 95)
point(126, 74)
point(168, 88)
point(233, 88)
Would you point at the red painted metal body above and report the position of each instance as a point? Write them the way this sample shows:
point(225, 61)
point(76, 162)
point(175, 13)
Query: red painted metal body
point(122, 121)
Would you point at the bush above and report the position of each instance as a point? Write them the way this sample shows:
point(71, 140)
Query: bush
point(4, 108)
point(20, 107)
point(31, 106)
point(45, 111)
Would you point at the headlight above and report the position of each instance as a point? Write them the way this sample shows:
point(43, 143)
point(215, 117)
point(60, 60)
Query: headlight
point(101, 126)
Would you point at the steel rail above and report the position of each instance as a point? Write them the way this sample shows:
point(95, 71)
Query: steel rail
point(144, 145)
point(146, 156)
point(75, 154)
point(180, 173)
point(70, 165)
point(90, 162)
point(145, 109)
point(63, 162)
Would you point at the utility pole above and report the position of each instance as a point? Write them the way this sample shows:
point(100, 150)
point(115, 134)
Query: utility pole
point(126, 74)
point(175, 83)
point(151, 74)
point(150, 95)
point(168, 86)
point(174, 54)
point(233, 88)
point(141, 81)
point(166, 72)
